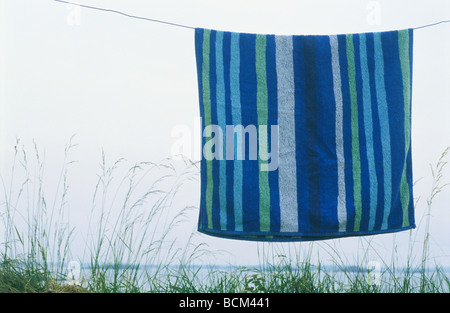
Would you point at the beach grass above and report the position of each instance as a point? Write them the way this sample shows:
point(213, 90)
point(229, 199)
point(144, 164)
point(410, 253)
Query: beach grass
point(135, 240)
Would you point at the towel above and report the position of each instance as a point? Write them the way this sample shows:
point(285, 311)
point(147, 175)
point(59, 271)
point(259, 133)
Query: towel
point(305, 137)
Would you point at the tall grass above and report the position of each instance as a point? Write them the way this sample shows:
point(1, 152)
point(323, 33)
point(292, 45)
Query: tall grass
point(132, 226)
point(139, 238)
point(130, 222)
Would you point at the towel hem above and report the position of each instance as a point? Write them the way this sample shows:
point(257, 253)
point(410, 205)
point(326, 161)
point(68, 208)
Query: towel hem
point(283, 237)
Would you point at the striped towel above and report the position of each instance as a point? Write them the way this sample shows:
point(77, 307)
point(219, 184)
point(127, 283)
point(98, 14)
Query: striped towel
point(305, 137)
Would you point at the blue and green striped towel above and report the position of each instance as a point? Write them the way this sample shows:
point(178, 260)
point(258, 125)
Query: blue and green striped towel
point(305, 137)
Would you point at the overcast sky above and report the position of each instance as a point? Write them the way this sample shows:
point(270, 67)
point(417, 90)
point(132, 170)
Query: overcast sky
point(122, 85)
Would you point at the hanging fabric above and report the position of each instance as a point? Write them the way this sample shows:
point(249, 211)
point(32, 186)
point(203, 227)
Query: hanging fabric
point(305, 137)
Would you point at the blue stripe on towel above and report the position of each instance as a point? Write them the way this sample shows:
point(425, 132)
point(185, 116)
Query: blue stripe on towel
point(236, 118)
point(326, 138)
point(249, 120)
point(384, 126)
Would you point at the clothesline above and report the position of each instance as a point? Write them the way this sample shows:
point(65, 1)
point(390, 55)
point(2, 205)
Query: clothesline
point(187, 26)
point(330, 114)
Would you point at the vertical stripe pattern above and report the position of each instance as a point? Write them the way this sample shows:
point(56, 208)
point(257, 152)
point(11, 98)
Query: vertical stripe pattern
point(404, 47)
point(384, 127)
point(308, 125)
point(356, 157)
point(262, 109)
point(236, 118)
point(368, 130)
point(221, 118)
point(207, 119)
point(286, 123)
point(337, 85)
point(311, 127)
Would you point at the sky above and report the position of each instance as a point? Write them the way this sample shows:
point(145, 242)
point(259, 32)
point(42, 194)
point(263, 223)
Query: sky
point(124, 86)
